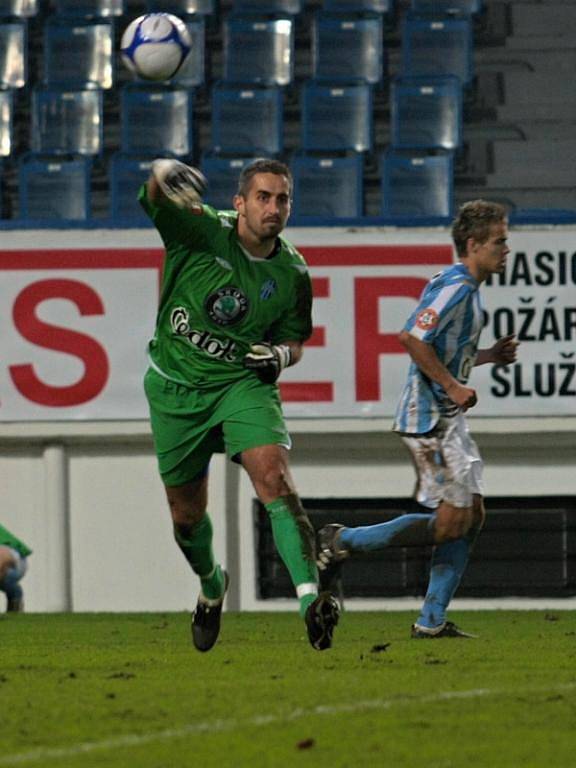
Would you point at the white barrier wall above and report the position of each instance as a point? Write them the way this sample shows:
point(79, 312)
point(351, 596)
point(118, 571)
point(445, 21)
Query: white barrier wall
point(82, 489)
point(87, 498)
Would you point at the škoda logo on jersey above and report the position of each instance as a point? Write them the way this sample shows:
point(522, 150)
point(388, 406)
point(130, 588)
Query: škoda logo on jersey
point(221, 349)
point(227, 305)
point(427, 319)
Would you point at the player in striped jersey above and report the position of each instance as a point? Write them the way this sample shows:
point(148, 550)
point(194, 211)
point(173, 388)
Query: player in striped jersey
point(441, 337)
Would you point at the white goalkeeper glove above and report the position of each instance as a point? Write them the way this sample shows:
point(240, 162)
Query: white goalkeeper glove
point(268, 361)
point(180, 183)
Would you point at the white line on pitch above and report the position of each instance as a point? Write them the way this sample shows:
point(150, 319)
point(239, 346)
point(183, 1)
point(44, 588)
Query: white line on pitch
point(43, 754)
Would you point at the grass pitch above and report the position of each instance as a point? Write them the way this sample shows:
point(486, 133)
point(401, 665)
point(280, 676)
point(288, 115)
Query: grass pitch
point(128, 690)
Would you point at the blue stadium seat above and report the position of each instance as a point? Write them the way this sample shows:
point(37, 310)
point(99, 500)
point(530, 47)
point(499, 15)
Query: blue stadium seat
point(90, 8)
point(348, 48)
point(438, 47)
point(13, 53)
point(126, 174)
point(247, 121)
point(182, 7)
point(337, 117)
point(426, 113)
point(156, 119)
point(417, 189)
point(359, 6)
point(78, 52)
point(258, 49)
point(67, 121)
point(327, 187)
point(222, 174)
point(6, 123)
point(19, 8)
point(56, 189)
point(469, 7)
point(290, 7)
point(192, 73)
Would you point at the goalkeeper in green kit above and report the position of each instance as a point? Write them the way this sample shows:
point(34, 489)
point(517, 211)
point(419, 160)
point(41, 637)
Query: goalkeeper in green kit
point(235, 310)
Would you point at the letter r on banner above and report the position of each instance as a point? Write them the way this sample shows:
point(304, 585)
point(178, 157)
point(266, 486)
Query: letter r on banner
point(371, 342)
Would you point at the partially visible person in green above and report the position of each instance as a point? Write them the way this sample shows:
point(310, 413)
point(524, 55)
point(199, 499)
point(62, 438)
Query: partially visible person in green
point(235, 310)
point(13, 565)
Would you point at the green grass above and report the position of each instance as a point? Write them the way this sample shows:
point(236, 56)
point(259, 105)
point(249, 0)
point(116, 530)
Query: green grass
point(129, 690)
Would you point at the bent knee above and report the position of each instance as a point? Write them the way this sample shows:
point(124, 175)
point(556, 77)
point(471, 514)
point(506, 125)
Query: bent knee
point(452, 523)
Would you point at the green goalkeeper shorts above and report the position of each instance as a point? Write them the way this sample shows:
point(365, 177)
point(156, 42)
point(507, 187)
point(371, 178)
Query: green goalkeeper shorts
point(189, 425)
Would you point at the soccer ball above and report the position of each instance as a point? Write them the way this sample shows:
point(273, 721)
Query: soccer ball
point(155, 46)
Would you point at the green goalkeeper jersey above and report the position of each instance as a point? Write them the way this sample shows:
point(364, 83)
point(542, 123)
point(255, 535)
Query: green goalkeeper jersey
point(216, 300)
point(8, 539)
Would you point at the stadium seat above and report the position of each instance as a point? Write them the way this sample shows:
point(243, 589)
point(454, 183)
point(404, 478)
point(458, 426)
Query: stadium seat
point(336, 117)
point(290, 7)
point(258, 49)
point(222, 174)
point(18, 8)
point(439, 7)
point(126, 174)
point(347, 48)
point(6, 123)
point(67, 121)
point(247, 121)
point(156, 119)
point(13, 53)
point(417, 189)
point(56, 189)
point(90, 8)
point(327, 187)
point(78, 52)
point(437, 47)
point(426, 113)
point(182, 7)
point(359, 6)
point(192, 73)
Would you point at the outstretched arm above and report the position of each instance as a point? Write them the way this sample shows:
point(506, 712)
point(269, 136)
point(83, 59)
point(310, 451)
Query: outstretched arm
point(503, 352)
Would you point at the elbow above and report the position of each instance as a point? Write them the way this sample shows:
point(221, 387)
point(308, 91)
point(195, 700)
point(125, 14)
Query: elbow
point(404, 339)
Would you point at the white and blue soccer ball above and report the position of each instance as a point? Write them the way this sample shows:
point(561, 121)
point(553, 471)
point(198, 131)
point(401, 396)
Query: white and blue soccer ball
point(155, 46)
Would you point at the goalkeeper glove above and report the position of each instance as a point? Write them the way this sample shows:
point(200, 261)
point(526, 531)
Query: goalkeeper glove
point(180, 183)
point(268, 361)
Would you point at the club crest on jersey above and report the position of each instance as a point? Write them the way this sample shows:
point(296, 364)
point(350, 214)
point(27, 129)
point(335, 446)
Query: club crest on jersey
point(227, 305)
point(427, 319)
point(268, 289)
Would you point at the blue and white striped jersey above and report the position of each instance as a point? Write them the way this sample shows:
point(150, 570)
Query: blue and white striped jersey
point(449, 317)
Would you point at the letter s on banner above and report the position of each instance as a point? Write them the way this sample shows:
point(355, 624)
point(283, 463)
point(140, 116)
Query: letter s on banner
point(36, 331)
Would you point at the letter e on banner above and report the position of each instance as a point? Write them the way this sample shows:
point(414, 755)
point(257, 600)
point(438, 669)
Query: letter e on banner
point(52, 337)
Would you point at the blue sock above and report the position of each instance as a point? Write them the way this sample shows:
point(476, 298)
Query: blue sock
point(448, 564)
point(403, 531)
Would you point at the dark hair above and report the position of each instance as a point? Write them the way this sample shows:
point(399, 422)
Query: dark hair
point(262, 165)
point(474, 220)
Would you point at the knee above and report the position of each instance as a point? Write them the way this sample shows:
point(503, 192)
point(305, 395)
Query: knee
point(185, 513)
point(274, 481)
point(451, 523)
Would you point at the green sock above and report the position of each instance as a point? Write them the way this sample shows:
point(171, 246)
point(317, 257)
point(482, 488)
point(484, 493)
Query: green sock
point(195, 542)
point(294, 539)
